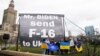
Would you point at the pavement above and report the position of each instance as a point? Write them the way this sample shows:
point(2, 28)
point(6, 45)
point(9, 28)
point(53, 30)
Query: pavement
point(0, 49)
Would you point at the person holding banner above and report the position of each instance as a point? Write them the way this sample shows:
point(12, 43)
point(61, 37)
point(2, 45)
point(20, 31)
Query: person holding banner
point(72, 45)
point(64, 46)
point(52, 47)
point(58, 44)
point(67, 41)
point(78, 46)
point(44, 46)
point(47, 41)
point(61, 48)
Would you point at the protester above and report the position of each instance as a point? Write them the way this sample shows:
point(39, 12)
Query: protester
point(64, 45)
point(67, 49)
point(78, 46)
point(61, 49)
point(72, 45)
point(47, 41)
point(58, 44)
point(52, 43)
point(44, 46)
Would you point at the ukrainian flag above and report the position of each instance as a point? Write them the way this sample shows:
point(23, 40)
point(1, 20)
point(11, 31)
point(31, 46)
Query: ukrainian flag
point(44, 46)
point(79, 49)
point(65, 45)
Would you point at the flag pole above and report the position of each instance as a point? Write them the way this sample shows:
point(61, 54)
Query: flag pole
point(17, 40)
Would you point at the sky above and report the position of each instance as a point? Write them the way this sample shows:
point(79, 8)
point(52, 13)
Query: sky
point(81, 12)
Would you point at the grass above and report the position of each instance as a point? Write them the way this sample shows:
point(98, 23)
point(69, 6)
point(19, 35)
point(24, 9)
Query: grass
point(35, 50)
point(39, 50)
point(24, 49)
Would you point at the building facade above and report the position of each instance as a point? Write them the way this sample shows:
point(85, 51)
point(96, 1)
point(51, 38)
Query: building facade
point(89, 30)
point(9, 22)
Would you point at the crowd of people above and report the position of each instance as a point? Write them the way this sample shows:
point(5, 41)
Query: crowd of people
point(64, 46)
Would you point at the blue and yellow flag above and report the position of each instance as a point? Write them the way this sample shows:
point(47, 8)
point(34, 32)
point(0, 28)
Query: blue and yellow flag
point(44, 46)
point(52, 47)
point(65, 45)
point(79, 49)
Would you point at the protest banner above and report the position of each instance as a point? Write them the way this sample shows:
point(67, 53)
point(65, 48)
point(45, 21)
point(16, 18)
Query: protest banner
point(34, 27)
